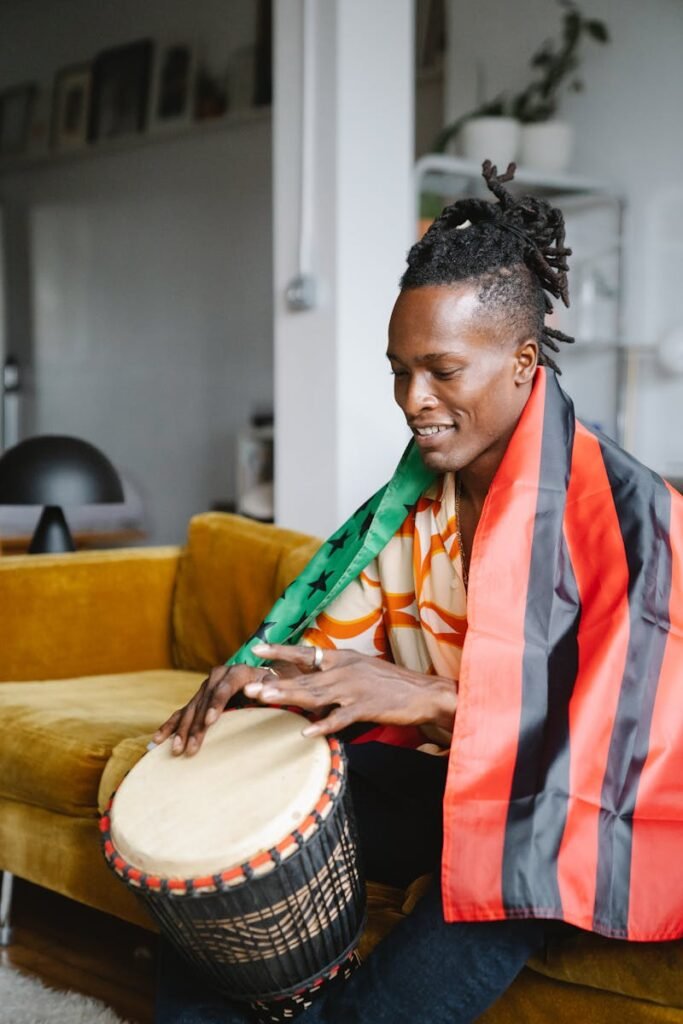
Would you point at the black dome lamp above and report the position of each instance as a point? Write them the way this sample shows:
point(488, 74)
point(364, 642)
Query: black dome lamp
point(53, 470)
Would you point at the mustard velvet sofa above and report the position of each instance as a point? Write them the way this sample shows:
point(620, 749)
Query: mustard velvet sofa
point(99, 647)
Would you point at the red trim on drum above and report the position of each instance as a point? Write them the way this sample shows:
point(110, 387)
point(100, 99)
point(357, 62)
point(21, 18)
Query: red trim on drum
point(260, 859)
point(208, 882)
point(232, 874)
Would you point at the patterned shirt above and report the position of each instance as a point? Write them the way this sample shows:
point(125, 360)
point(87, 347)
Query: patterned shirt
point(409, 605)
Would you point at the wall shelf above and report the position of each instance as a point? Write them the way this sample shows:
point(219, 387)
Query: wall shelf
point(232, 121)
point(447, 175)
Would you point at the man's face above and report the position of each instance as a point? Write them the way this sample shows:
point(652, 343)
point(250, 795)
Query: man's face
point(459, 378)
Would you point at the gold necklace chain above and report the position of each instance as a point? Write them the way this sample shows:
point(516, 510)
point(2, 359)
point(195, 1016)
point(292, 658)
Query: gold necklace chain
point(458, 492)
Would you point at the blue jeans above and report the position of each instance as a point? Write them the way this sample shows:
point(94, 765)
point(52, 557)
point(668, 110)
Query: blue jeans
point(426, 969)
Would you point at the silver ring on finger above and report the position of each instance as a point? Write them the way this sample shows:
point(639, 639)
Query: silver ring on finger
point(317, 658)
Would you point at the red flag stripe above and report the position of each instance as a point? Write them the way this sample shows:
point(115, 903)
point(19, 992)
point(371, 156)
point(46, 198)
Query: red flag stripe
point(603, 640)
point(484, 748)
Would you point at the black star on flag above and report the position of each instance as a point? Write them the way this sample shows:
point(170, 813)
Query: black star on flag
point(321, 582)
point(296, 626)
point(366, 524)
point(263, 629)
point(337, 543)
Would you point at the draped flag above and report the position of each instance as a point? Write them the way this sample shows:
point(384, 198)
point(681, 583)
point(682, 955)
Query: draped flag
point(564, 796)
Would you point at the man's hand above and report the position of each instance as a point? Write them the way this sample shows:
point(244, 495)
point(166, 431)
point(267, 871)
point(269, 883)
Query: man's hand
point(357, 688)
point(188, 724)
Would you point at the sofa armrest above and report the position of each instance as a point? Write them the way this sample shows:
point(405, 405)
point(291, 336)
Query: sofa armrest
point(86, 613)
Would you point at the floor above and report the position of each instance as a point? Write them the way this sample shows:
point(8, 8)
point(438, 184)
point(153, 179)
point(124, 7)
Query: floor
point(70, 946)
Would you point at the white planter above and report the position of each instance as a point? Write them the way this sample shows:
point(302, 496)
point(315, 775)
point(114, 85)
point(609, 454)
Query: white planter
point(491, 138)
point(546, 146)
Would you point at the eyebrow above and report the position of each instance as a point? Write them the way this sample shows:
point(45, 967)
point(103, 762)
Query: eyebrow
point(429, 357)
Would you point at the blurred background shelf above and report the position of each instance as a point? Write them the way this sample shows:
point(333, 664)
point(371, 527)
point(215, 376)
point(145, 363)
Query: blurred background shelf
point(231, 121)
point(444, 174)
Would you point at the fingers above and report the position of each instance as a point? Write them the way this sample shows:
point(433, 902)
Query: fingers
point(311, 691)
point(314, 692)
point(168, 727)
point(188, 724)
point(180, 739)
point(223, 683)
point(303, 655)
point(338, 719)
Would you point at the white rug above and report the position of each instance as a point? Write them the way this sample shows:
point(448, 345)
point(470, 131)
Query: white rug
point(25, 1000)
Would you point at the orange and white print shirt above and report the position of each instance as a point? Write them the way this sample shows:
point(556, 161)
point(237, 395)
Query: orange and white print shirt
point(409, 604)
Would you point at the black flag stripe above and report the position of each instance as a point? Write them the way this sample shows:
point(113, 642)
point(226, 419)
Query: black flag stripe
point(538, 799)
point(644, 514)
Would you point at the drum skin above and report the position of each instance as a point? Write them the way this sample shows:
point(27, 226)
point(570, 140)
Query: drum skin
point(246, 854)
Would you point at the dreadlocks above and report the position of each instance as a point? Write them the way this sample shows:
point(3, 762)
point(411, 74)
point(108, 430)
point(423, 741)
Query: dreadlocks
point(513, 248)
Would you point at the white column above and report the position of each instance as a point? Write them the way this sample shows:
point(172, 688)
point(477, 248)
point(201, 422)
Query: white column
point(338, 433)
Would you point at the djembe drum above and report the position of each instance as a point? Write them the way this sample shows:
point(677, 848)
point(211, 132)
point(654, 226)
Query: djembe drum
point(246, 853)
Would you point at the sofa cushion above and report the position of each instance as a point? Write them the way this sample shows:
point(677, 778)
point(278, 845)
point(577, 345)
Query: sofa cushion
point(63, 853)
point(644, 970)
point(231, 572)
point(58, 735)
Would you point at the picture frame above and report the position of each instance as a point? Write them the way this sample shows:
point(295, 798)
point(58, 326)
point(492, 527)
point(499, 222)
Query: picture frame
point(174, 81)
point(16, 109)
point(263, 69)
point(120, 91)
point(71, 108)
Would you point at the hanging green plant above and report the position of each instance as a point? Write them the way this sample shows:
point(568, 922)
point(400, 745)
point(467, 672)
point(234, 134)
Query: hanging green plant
point(555, 66)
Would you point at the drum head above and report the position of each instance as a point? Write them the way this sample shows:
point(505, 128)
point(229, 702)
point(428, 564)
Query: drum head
point(254, 780)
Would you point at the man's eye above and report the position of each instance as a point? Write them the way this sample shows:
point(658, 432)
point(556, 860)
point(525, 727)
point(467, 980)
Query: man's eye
point(445, 374)
point(398, 373)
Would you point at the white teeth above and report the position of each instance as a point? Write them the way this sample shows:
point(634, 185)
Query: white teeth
point(426, 431)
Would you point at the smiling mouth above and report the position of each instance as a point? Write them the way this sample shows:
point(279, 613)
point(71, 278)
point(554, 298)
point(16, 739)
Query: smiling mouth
point(439, 428)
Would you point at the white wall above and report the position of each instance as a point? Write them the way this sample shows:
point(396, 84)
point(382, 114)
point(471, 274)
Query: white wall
point(628, 132)
point(149, 312)
point(339, 434)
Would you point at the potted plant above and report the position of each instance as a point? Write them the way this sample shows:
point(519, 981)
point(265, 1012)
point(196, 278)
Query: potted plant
point(544, 141)
point(488, 132)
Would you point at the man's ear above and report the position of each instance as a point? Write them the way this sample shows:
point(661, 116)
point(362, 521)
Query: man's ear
point(526, 361)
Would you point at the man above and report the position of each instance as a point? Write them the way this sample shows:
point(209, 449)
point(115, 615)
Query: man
point(513, 597)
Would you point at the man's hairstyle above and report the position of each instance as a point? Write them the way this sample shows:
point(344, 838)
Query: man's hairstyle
point(513, 249)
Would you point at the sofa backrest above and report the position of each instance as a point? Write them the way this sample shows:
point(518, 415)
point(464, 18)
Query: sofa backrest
point(231, 572)
point(86, 613)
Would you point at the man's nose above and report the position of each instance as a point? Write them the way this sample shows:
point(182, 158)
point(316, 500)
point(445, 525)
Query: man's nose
point(418, 396)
